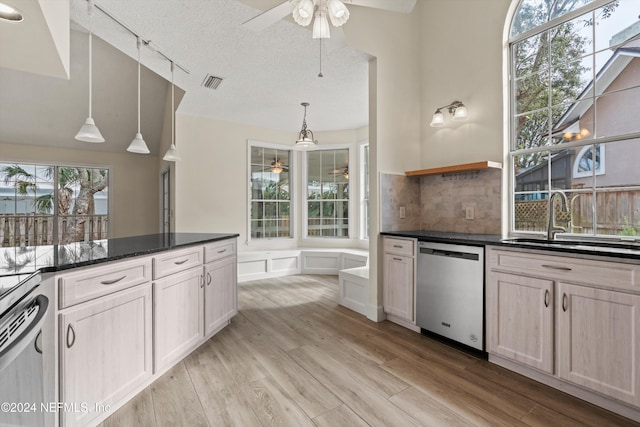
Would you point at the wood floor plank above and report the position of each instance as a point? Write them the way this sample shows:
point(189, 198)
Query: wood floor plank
point(450, 393)
point(544, 417)
point(428, 411)
point(175, 400)
point(137, 412)
point(273, 405)
point(584, 412)
point(366, 402)
point(223, 402)
point(341, 416)
point(233, 354)
point(313, 397)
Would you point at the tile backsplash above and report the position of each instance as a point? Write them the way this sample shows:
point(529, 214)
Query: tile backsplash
point(443, 202)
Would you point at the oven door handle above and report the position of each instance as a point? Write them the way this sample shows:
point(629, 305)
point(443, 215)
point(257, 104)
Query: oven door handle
point(26, 337)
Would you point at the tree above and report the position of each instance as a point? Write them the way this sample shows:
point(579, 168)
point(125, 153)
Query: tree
point(544, 76)
point(87, 181)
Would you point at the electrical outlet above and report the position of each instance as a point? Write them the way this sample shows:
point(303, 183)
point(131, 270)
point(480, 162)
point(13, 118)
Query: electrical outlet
point(403, 212)
point(469, 212)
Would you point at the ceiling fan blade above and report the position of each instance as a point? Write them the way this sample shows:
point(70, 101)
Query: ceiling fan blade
point(270, 17)
point(337, 39)
point(403, 6)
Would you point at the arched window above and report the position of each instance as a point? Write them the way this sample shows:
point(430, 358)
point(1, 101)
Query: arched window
point(574, 83)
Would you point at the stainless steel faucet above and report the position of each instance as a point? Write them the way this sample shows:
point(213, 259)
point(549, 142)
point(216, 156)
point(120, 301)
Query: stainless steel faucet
point(552, 228)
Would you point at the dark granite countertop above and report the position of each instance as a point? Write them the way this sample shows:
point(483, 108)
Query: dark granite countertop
point(614, 249)
point(20, 261)
point(447, 237)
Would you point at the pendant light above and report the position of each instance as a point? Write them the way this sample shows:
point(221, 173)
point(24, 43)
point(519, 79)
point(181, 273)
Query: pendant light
point(305, 141)
point(89, 132)
point(138, 145)
point(172, 153)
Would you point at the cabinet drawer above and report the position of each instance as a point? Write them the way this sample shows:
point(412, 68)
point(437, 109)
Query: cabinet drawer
point(218, 250)
point(399, 246)
point(93, 282)
point(175, 261)
point(584, 271)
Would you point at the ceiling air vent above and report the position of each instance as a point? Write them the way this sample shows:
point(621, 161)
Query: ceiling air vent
point(211, 82)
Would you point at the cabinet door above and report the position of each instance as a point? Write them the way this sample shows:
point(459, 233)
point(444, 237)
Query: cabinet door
point(598, 340)
point(398, 284)
point(178, 316)
point(520, 319)
point(220, 296)
point(105, 352)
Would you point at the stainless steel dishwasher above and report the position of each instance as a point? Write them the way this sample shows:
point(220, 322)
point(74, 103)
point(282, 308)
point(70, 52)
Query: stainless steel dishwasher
point(450, 292)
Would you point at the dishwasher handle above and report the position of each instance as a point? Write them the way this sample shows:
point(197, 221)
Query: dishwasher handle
point(449, 254)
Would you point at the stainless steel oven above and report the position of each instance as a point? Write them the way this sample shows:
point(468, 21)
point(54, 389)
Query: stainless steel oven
point(22, 390)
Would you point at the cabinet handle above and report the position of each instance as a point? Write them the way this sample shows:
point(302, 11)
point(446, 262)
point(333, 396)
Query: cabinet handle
point(546, 298)
point(181, 262)
point(221, 251)
point(556, 267)
point(111, 282)
point(37, 343)
point(397, 259)
point(208, 278)
point(565, 302)
point(69, 331)
point(202, 280)
point(397, 246)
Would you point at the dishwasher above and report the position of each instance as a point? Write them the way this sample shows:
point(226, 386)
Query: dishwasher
point(450, 292)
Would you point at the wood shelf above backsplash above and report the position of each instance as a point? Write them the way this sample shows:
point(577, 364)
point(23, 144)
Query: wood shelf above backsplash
point(456, 168)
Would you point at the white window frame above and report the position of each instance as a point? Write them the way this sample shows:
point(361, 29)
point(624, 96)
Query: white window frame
point(305, 201)
point(292, 189)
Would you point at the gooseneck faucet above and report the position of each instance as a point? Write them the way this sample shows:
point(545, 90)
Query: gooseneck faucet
point(552, 228)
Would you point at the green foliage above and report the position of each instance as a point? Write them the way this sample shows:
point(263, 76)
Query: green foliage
point(629, 229)
point(543, 71)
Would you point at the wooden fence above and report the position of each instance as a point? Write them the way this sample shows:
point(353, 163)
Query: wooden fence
point(617, 212)
point(37, 230)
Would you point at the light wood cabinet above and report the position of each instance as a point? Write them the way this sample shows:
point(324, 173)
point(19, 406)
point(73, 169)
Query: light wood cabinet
point(220, 296)
point(178, 316)
point(105, 352)
point(575, 319)
point(598, 340)
point(399, 278)
point(521, 325)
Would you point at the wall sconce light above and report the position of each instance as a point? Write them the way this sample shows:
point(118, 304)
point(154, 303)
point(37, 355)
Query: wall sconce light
point(456, 109)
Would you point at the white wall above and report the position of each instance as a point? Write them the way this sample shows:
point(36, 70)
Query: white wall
point(461, 52)
point(134, 180)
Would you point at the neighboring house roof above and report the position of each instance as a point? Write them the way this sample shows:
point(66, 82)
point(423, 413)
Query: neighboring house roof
point(607, 74)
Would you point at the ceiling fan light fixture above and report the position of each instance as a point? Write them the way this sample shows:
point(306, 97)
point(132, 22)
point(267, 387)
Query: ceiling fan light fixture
point(303, 12)
point(321, 26)
point(338, 12)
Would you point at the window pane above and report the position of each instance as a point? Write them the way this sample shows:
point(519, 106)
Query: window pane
point(270, 181)
point(618, 112)
point(532, 92)
point(531, 55)
point(532, 130)
point(532, 13)
point(328, 174)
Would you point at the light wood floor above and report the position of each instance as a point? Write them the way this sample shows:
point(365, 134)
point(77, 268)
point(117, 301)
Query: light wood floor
point(293, 357)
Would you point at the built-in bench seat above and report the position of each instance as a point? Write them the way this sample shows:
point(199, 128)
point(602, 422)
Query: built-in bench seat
point(254, 265)
point(353, 285)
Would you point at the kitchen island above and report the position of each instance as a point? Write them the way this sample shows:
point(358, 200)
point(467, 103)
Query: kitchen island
point(123, 311)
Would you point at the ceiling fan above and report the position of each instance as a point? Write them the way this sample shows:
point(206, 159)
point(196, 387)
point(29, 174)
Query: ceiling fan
point(277, 166)
point(305, 11)
point(340, 171)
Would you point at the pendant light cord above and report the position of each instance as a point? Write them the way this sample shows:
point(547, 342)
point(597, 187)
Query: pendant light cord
point(173, 110)
point(320, 43)
point(90, 6)
point(139, 44)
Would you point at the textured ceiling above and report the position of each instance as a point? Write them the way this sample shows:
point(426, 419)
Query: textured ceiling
point(266, 75)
